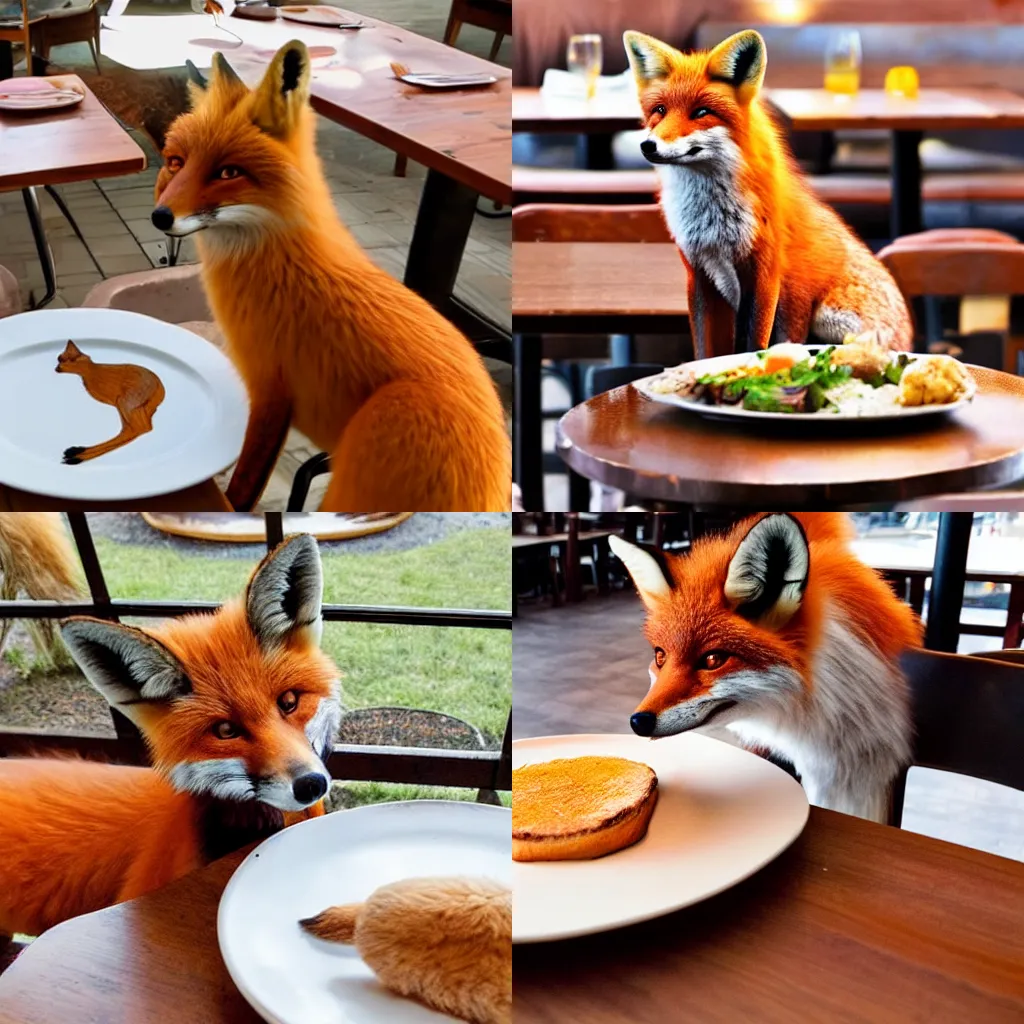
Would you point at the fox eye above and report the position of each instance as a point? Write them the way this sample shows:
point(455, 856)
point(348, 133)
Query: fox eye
point(174, 163)
point(226, 730)
point(659, 656)
point(700, 112)
point(288, 701)
point(713, 660)
point(228, 172)
point(660, 110)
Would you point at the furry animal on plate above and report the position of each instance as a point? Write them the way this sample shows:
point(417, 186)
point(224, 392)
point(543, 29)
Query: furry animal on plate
point(324, 340)
point(239, 710)
point(36, 559)
point(778, 632)
point(444, 941)
point(767, 260)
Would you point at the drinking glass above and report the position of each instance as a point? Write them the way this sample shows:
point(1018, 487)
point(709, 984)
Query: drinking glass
point(842, 63)
point(583, 57)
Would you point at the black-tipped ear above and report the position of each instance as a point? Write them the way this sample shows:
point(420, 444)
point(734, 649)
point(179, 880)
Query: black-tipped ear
point(195, 75)
point(284, 595)
point(126, 665)
point(281, 96)
point(740, 61)
point(768, 574)
point(650, 59)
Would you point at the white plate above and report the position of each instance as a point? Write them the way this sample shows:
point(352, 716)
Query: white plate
point(197, 429)
point(290, 977)
point(18, 87)
point(722, 814)
point(426, 81)
point(329, 17)
point(717, 364)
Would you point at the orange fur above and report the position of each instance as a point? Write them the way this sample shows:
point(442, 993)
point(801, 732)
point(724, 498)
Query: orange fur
point(133, 390)
point(77, 836)
point(802, 257)
point(322, 337)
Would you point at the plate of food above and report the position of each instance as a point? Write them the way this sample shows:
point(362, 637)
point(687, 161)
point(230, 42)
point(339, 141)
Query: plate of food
point(279, 942)
point(36, 95)
point(858, 380)
point(612, 830)
point(107, 405)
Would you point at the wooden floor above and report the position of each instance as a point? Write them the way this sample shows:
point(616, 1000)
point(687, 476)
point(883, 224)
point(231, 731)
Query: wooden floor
point(583, 668)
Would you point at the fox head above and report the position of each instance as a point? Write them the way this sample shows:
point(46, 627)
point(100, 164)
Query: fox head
point(727, 622)
point(234, 165)
point(695, 105)
point(71, 359)
point(240, 705)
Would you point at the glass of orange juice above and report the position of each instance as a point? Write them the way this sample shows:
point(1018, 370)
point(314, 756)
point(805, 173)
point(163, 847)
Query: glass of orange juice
point(583, 58)
point(842, 63)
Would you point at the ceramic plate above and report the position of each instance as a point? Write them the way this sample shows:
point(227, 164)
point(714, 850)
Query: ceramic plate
point(19, 95)
point(331, 17)
point(197, 428)
point(455, 82)
point(290, 977)
point(722, 814)
point(717, 364)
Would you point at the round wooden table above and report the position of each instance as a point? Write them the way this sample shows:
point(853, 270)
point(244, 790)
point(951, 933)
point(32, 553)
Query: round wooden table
point(660, 453)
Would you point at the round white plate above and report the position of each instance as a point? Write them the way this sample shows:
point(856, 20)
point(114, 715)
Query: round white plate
point(718, 364)
point(722, 814)
point(61, 98)
point(197, 429)
point(290, 977)
point(329, 17)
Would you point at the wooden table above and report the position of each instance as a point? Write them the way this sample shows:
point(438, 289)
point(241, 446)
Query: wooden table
point(812, 110)
point(153, 960)
point(660, 453)
point(204, 497)
point(855, 922)
point(78, 144)
point(462, 137)
point(582, 288)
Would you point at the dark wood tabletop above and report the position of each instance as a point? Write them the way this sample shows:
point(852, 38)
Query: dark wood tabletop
point(465, 134)
point(658, 452)
point(855, 922)
point(153, 960)
point(78, 144)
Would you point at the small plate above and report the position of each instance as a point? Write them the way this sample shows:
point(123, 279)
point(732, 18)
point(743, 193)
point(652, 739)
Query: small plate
point(197, 429)
point(290, 977)
point(722, 814)
point(17, 96)
point(329, 17)
point(718, 364)
point(425, 81)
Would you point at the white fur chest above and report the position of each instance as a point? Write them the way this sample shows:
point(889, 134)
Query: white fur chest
point(710, 220)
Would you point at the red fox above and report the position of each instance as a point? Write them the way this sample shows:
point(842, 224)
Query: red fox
point(239, 711)
point(766, 259)
point(324, 340)
point(778, 632)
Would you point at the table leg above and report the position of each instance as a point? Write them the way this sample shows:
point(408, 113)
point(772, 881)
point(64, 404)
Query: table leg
point(579, 491)
point(527, 456)
point(947, 597)
point(601, 566)
point(35, 222)
point(598, 149)
point(573, 578)
point(1014, 616)
point(443, 221)
point(905, 207)
point(6, 60)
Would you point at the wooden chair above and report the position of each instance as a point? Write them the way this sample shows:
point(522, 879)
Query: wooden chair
point(554, 222)
point(20, 31)
point(968, 716)
point(959, 262)
point(493, 15)
point(73, 25)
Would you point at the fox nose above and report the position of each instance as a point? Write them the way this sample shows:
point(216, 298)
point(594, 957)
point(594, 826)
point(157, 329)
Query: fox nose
point(648, 147)
point(309, 788)
point(162, 218)
point(643, 723)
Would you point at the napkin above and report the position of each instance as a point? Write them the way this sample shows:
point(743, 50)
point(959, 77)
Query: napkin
point(564, 83)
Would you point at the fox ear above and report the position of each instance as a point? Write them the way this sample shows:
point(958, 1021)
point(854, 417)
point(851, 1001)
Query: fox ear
point(652, 581)
point(224, 83)
point(649, 58)
point(740, 61)
point(71, 349)
point(282, 95)
point(284, 595)
point(768, 574)
point(126, 665)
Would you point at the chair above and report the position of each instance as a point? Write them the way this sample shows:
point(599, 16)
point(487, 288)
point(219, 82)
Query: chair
point(18, 29)
point(968, 716)
point(76, 24)
point(959, 262)
point(494, 15)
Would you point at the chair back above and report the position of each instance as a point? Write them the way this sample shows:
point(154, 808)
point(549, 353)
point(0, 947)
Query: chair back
point(17, 31)
point(948, 265)
point(555, 222)
point(968, 716)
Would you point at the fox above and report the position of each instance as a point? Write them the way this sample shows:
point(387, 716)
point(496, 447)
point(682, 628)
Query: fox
point(767, 260)
point(778, 632)
point(133, 390)
point(323, 339)
point(36, 559)
point(238, 709)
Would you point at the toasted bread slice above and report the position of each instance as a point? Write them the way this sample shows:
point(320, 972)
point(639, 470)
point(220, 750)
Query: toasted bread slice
point(578, 808)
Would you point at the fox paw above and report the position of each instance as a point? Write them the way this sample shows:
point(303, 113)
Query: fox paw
point(71, 455)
